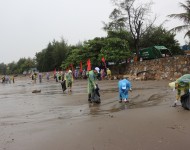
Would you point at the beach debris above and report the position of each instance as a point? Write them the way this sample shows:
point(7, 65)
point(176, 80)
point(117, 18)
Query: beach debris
point(111, 116)
point(146, 75)
point(36, 91)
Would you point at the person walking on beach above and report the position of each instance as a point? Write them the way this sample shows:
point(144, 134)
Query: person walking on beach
point(47, 76)
point(69, 80)
point(40, 77)
point(13, 78)
point(124, 86)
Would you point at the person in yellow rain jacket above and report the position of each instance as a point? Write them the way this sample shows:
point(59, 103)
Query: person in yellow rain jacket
point(108, 73)
point(182, 85)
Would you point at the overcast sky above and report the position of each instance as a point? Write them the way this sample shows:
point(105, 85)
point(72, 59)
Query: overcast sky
point(27, 26)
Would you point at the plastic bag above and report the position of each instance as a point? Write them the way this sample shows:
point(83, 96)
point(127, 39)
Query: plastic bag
point(185, 101)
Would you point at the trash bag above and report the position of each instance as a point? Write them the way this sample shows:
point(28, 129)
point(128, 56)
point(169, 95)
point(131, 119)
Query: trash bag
point(95, 96)
point(63, 85)
point(185, 101)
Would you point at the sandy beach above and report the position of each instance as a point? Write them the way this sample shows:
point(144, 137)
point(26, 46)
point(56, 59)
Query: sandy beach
point(53, 120)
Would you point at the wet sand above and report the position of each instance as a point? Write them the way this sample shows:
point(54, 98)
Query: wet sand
point(53, 120)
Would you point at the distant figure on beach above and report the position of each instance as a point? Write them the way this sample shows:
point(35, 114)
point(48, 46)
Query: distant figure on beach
point(102, 72)
point(7, 79)
point(84, 74)
point(47, 76)
point(3, 79)
point(182, 85)
point(57, 76)
point(13, 78)
point(76, 73)
point(34, 77)
point(69, 80)
point(40, 77)
point(63, 81)
point(108, 74)
point(124, 86)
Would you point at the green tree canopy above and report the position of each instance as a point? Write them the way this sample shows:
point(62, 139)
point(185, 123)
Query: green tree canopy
point(115, 50)
point(52, 56)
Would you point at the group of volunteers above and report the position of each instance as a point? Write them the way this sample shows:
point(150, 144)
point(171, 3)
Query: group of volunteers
point(93, 89)
point(182, 85)
point(124, 85)
point(66, 79)
point(7, 79)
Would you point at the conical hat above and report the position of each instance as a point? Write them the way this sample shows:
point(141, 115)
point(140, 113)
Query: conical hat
point(172, 84)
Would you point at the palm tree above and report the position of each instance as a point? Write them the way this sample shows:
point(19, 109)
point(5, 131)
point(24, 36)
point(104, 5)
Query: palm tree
point(185, 17)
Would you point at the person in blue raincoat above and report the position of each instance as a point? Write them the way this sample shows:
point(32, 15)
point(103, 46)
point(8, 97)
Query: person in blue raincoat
point(124, 86)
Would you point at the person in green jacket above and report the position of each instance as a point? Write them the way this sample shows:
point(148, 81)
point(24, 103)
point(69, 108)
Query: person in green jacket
point(91, 83)
point(69, 80)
